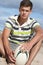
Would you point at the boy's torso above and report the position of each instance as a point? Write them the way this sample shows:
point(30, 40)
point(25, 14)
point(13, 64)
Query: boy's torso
point(20, 33)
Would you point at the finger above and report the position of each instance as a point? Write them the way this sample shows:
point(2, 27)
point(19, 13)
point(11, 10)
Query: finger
point(21, 46)
point(22, 49)
point(11, 57)
point(11, 60)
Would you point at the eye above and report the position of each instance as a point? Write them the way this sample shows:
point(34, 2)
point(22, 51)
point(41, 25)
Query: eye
point(27, 10)
point(23, 10)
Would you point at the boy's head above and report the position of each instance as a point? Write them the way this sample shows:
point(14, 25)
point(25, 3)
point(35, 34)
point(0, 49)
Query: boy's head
point(26, 3)
point(25, 9)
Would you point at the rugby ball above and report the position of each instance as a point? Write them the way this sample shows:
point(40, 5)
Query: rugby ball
point(21, 57)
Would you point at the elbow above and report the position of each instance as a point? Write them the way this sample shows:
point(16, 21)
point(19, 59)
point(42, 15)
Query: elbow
point(3, 38)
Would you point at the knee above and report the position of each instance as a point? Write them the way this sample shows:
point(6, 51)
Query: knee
point(2, 52)
point(0, 38)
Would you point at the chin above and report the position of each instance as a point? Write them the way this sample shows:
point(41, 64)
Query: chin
point(24, 18)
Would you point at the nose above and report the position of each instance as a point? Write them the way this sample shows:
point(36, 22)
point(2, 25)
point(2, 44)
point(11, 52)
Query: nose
point(24, 11)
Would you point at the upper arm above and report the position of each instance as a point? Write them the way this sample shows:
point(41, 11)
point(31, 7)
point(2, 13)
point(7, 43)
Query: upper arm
point(7, 29)
point(6, 32)
point(38, 29)
point(36, 26)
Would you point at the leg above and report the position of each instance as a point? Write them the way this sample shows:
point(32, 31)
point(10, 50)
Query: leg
point(34, 51)
point(2, 47)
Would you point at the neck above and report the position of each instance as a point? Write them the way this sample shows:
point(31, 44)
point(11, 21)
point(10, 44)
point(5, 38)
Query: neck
point(21, 21)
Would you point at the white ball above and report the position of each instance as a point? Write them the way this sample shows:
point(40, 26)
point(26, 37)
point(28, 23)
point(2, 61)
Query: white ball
point(21, 57)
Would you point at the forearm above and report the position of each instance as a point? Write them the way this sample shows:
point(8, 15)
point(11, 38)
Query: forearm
point(36, 38)
point(6, 45)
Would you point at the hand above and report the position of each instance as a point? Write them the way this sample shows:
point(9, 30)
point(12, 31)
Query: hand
point(10, 57)
point(25, 46)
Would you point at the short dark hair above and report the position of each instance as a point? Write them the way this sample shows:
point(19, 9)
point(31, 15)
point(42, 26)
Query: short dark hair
point(26, 3)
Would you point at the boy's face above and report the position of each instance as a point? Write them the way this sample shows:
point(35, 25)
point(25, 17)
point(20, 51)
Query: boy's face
point(24, 12)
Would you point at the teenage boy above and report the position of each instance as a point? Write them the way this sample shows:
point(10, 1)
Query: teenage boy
point(24, 31)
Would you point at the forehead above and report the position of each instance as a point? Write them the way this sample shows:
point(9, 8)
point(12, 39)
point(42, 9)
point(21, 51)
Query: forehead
point(25, 8)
